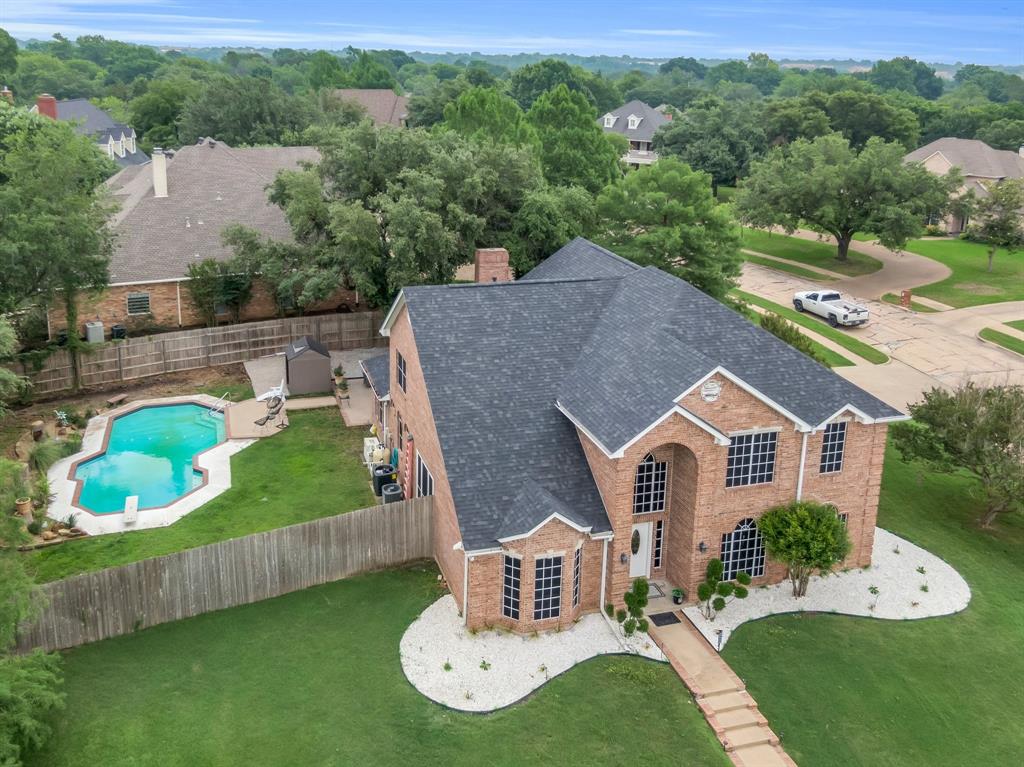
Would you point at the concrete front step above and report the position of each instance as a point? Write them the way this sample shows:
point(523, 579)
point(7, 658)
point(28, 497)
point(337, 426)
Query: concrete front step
point(760, 755)
point(726, 701)
point(748, 735)
point(738, 717)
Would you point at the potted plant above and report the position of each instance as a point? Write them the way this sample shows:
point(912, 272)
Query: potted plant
point(678, 595)
point(23, 507)
point(343, 388)
point(62, 421)
point(339, 375)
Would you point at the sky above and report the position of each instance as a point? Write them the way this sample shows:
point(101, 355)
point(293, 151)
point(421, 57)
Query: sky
point(975, 31)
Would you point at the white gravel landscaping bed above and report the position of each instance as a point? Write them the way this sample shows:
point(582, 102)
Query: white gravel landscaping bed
point(894, 572)
point(492, 669)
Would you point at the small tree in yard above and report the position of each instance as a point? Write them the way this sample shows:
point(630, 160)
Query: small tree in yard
point(636, 601)
point(806, 536)
point(788, 332)
point(998, 217)
point(830, 187)
point(973, 428)
point(714, 593)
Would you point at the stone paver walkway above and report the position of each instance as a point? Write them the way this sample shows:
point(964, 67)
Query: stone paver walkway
point(722, 696)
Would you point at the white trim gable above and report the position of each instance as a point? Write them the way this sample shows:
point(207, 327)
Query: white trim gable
point(552, 516)
point(719, 370)
point(392, 315)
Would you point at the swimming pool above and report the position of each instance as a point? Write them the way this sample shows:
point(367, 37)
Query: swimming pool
point(149, 453)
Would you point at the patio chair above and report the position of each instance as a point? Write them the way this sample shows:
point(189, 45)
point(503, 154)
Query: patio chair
point(274, 407)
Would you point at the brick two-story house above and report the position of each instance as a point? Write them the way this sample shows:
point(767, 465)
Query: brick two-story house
point(596, 421)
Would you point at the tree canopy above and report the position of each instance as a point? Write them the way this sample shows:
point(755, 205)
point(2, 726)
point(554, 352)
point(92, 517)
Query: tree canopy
point(485, 114)
point(998, 219)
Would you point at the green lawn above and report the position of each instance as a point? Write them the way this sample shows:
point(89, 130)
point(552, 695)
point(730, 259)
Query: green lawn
point(1016, 324)
point(1005, 340)
point(782, 266)
point(841, 337)
point(819, 254)
point(311, 469)
point(892, 298)
point(971, 284)
point(314, 678)
point(944, 691)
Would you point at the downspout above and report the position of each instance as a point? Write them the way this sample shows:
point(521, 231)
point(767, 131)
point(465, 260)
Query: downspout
point(465, 587)
point(178, 286)
point(604, 577)
point(803, 461)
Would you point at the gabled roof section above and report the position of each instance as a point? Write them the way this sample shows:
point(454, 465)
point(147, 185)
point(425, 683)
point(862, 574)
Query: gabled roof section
point(578, 260)
point(532, 508)
point(659, 337)
point(300, 346)
point(650, 120)
point(378, 373)
point(972, 157)
point(382, 105)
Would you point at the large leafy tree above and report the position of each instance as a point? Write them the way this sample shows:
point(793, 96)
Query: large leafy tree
point(548, 218)
point(717, 137)
point(828, 186)
point(54, 238)
point(998, 221)
point(785, 120)
point(243, 110)
point(906, 74)
point(860, 116)
point(666, 216)
point(530, 82)
point(485, 114)
point(806, 537)
point(573, 148)
point(155, 113)
point(8, 53)
point(1002, 134)
point(972, 428)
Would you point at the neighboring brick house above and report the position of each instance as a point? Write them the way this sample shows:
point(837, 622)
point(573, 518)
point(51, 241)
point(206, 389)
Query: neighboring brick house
point(116, 140)
point(596, 421)
point(980, 164)
point(638, 122)
point(382, 105)
point(172, 213)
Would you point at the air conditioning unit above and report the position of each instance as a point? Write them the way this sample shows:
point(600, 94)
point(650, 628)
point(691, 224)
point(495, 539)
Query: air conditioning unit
point(94, 332)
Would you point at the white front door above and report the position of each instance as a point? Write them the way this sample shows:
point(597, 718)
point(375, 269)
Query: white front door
point(640, 551)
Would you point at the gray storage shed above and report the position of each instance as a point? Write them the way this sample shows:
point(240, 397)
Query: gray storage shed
point(307, 366)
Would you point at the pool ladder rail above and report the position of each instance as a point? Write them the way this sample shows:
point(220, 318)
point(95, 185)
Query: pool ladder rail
point(220, 404)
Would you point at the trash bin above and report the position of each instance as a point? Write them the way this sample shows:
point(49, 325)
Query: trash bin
point(118, 331)
point(391, 493)
point(383, 474)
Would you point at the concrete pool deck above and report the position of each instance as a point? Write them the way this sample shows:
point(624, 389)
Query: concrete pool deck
point(216, 462)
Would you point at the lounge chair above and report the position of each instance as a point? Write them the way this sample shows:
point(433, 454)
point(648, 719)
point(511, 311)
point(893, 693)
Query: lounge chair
point(274, 407)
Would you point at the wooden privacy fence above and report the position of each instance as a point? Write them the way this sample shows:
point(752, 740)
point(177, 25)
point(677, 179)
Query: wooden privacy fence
point(118, 361)
point(119, 600)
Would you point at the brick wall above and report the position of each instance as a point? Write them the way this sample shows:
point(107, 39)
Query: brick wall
point(171, 307)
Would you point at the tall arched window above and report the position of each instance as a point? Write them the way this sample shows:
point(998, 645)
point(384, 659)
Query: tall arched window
point(742, 551)
point(649, 487)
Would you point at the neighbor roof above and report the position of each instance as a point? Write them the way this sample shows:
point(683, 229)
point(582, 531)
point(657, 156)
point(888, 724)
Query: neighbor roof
point(99, 125)
point(302, 345)
point(210, 186)
point(972, 157)
point(651, 120)
point(378, 374)
point(382, 105)
point(505, 363)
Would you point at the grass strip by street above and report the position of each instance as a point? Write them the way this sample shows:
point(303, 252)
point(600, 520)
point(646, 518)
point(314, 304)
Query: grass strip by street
point(888, 702)
point(1008, 342)
point(831, 358)
point(314, 678)
point(971, 284)
point(783, 266)
point(811, 252)
point(310, 470)
point(861, 349)
point(892, 298)
point(1016, 324)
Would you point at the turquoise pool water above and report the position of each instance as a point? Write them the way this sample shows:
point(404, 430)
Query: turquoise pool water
point(149, 455)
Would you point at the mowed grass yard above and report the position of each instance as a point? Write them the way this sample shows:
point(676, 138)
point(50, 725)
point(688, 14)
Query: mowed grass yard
point(314, 678)
point(820, 254)
point(971, 284)
point(945, 692)
point(310, 470)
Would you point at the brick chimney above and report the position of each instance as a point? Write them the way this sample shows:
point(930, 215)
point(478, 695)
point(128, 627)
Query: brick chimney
point(159, 162)
point(7, 96)
point(492, 265)
point(47, 105)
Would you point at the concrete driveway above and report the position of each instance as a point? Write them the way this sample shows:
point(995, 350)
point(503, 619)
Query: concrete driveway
point(927, 350)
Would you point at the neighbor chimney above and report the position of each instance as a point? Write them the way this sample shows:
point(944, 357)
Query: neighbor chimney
point(492, 265)
point(7, 96)
point(159, 172)
point(47, 105)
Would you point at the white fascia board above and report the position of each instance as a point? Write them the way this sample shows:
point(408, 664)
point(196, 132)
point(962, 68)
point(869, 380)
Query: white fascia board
point(583, 429)
point(606, 535)
point(719, 437)
point(392, 315)
point(861, 416)
point(481, 552)
point(553, 515)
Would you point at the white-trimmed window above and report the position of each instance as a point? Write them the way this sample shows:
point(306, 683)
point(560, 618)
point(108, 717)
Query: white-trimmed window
point(833, 445)
point(659, 541)
point(634, 122)
point(137, 303)
point(424, 479)
point(649, 486)
point(400, 365)
point(547, 588)
point(510, 580)
point(609, 121)
point(742, 551)
point(577, 567)
point(751, 459)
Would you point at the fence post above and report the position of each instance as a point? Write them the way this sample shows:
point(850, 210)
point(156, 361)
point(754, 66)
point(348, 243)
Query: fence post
point(120, 362)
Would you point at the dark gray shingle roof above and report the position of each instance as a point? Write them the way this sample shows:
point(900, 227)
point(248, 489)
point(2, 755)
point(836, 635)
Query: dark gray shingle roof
point(300, 346)
point(651, 120)
point(615, 351)
point(97, 124)
point(378, 374)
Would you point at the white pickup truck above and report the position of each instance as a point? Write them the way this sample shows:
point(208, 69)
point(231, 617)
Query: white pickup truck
point(832, 306)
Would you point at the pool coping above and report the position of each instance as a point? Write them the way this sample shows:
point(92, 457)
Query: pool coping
point(213, 464)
